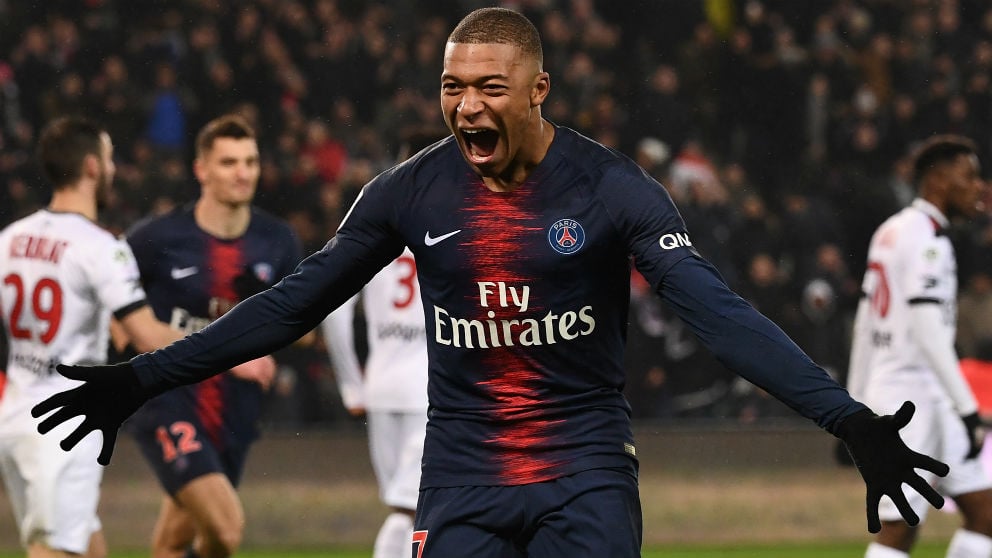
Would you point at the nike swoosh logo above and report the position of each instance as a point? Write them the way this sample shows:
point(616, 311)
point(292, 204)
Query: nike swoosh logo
point(184, 272)
point(432, 240)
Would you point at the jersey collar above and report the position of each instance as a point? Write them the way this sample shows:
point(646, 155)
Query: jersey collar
point(930, 210)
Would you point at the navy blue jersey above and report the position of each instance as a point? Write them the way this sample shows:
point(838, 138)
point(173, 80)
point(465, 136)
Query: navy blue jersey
point(525, 297)
point(192, 278)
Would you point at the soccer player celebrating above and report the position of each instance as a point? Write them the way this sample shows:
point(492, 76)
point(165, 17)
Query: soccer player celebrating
point(903, 345)
point(63, 277)
point(196, 263)
point(523, 232)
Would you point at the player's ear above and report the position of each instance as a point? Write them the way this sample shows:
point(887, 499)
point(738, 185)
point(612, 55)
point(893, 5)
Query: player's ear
point(199, 170)
point(91, 166)
point(541, 88)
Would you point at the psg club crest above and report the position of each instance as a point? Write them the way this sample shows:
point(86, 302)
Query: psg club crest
point(263, 271)
point(566, 236)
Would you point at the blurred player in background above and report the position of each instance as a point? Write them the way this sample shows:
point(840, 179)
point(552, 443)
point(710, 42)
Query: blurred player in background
point(62, 278)
point(392, 392)
point(903, 346)
point(196, 263)
point(524, 233)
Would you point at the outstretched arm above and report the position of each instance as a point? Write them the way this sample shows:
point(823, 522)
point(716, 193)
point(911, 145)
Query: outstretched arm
point(258, 326)
point(269, 320)
point(751, 345)
point(758, 350)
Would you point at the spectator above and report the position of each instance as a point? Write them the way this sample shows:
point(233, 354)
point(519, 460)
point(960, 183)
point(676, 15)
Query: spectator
point(815, 106)
point(166, 128)
point(974, 314)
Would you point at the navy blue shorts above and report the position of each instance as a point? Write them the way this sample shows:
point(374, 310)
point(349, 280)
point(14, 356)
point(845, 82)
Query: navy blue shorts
point(593, 513)
point(179, 450)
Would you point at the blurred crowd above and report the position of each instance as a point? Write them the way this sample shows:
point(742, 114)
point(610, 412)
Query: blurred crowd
point(781, 129)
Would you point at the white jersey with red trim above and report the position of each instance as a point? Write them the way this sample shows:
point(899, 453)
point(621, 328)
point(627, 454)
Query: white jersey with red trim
point(910, 261)
point(61, 278)
point(395, 377)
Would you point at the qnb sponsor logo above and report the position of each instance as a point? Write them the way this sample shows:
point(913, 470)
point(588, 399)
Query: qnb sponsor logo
point(187, 323)
point(403, 332)
point(674, 240)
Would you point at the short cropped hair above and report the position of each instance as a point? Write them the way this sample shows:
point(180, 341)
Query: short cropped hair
point(63, 145)
point(940, 149)
point(499, 26)
point(227, 126)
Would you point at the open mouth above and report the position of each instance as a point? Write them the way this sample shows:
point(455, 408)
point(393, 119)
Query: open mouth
point(480, 144)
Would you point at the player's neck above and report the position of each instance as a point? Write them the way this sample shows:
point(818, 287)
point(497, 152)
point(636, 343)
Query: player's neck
point(937, 201)
point(221, 220)
point(74, 200)
point(529, 157)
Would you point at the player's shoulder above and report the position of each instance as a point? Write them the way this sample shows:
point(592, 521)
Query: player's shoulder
point(273, 230)
point(162, 224)
point(585, 151)
point(427, 164)
point(920, 225)
point(16, 226)
point(907, 230)
point(67, 225)
point(392, 189)
point(604, 165)
point(264, 220)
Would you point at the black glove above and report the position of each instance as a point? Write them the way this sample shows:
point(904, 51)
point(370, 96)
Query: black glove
point(885, 463)
point(841, 455)
point(110, 394)
point(248, 284)
point(976, 434)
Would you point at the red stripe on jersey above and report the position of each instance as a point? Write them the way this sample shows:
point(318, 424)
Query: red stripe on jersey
point(224, 260)
point(499, 227)
point(209, 407)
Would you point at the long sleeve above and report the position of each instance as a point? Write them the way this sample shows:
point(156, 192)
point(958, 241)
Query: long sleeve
point(937, 344)
point(339, 336)
point(269, 320)
point(857, 370)
point(751, 345)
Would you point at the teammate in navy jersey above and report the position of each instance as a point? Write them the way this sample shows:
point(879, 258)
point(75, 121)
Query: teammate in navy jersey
point(523, 232)
point(196, 263)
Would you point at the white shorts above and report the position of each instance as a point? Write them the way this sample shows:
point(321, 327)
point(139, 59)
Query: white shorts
point(935, 430)
point(396, 445)
point(53, 493)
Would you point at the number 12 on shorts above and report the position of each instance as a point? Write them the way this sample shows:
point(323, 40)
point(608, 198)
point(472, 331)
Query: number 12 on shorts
point(185, 440)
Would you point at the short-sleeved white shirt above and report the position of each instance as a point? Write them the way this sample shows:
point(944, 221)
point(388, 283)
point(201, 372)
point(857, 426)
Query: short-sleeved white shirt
point(61, 278)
